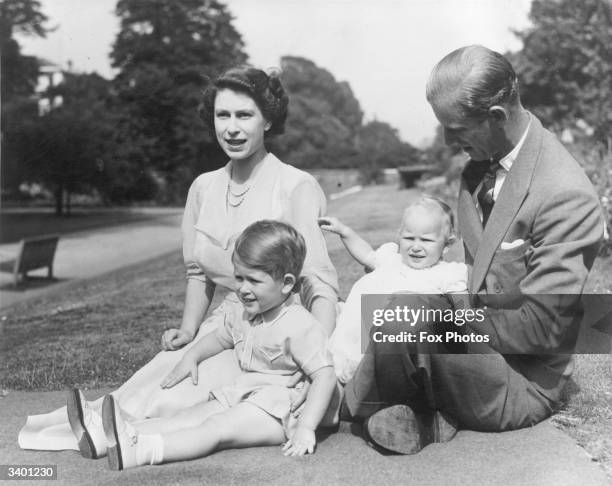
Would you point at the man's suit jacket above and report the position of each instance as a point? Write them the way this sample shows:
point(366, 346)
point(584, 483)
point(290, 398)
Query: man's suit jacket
point(530, 263)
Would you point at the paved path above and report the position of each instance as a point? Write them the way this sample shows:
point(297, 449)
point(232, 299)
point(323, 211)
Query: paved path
point(90, 253)
point(537, 456)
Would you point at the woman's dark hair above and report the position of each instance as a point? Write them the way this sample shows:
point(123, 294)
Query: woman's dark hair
point(265, 89)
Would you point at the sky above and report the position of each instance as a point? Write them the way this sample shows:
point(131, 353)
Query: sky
point(385, 49)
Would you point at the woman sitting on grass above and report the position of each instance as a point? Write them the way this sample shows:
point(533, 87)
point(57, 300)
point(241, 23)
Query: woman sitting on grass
point(273, 338)
point(243, 107)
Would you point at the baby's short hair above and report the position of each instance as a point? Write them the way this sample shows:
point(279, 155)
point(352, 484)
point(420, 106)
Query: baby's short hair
point(428, 201)
point(274, 247)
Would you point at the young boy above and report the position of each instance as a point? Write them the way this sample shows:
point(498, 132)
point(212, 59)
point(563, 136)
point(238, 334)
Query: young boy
point(273, 338)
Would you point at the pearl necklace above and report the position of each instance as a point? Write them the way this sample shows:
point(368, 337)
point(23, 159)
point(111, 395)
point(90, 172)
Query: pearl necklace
point(235, 199)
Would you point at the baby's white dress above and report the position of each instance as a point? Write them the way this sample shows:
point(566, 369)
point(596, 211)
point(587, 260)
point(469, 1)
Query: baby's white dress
point(390, 275)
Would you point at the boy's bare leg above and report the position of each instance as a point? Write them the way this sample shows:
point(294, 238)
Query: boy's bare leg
point(188, 418)
point(244, 425)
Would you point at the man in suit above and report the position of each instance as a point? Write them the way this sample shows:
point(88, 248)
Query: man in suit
point(531, 225)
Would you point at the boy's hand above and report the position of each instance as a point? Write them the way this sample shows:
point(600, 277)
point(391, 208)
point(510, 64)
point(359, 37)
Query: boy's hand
point(302, 441)
point(187, 366)
point(329, 223)
point(173, 339)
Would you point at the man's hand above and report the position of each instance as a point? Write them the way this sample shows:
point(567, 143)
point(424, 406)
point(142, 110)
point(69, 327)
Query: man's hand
point(187, 366)
point(173, 339)
point(301, 441)
point(334, 225)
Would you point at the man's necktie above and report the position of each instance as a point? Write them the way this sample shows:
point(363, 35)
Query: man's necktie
point(485, 195)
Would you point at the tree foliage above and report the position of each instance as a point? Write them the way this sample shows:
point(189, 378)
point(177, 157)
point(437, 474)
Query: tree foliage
point(138, 137)
point(565, 66)
point(164, 51)
point(64, 149)
point(379, 147)
point(325, 125)
point(565, 71)
point(323, 120)
point(23, 17)
point(18, 81)
point(19, 72)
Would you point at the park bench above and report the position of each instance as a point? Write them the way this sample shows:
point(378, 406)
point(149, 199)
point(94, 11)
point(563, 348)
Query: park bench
point(33, 253)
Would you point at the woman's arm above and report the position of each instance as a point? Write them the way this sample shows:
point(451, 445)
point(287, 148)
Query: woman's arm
point(320, 282)
point(325, 312)
point(198, 297)
point(200, 289)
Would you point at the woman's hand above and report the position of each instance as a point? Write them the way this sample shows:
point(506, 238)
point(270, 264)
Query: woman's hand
point(187, 366)
point(173, 339)
point(300, 382)
point(301, 441)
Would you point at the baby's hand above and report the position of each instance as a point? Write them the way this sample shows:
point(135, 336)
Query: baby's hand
point(187, 366)
point(329, 223)
point(302, 441)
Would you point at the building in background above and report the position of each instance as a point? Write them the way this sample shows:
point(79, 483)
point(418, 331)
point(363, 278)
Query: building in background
point(50, 75)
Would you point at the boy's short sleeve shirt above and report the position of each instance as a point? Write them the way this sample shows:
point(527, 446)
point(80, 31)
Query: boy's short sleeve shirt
point(294, 340)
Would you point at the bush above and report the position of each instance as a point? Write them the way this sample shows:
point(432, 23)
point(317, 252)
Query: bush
point(597, 162)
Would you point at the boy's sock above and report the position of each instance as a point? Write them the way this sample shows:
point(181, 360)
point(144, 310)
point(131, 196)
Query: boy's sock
point(150, 449)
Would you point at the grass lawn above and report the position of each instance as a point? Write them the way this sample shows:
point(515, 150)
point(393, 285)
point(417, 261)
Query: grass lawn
point(98, 332)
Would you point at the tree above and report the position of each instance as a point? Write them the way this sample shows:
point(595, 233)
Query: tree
point(64, 149)
point(165, 50)
point(19, 72)
point(565, 71)
point(379, 147)
point(324, 117)
point(18, 81)
point(325, 125)
point(565, 66)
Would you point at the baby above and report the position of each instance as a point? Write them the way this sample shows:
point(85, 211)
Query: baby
point(414, 264)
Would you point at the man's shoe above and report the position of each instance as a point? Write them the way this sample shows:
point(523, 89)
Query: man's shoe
point(86, 425)
point(121, 437)
point(399, 429)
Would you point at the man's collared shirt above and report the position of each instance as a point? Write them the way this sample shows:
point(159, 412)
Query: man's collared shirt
point(505, 164)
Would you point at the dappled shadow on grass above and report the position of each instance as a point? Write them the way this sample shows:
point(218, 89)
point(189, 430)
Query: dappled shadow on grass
point(96, 333)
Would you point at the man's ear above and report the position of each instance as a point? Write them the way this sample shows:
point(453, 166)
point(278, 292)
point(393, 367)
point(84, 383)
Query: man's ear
point(267, 126)
point(289, 281)
point(499, 114)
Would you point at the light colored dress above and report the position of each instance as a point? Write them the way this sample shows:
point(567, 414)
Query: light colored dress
point(210, 228)
point(390, 275)
point(269, 353)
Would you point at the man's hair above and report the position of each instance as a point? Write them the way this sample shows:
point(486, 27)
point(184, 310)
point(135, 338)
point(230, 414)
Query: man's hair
point(432, 202)
point(274, 247)
point(474, 78)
